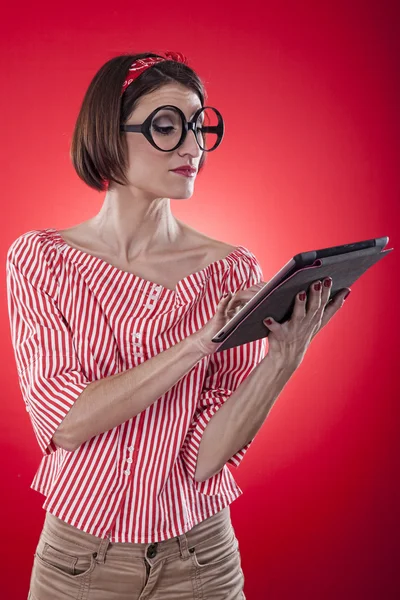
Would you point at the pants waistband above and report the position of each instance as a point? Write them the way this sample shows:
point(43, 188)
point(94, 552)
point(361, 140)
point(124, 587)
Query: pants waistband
point(72, 537)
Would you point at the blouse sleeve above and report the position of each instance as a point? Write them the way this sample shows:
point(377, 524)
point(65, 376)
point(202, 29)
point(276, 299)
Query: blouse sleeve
point(50, 375)
point(226, 371)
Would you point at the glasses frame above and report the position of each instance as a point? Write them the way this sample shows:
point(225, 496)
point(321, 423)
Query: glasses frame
point(144, 127)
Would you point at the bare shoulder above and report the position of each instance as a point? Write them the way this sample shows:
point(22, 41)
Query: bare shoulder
point(76, 235)
point(217, 249)
point(222, 249)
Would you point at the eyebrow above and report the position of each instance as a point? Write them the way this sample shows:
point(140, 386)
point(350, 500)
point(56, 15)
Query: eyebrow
point(192, 115)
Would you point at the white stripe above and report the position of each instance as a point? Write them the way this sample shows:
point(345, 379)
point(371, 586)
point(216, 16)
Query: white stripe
point(74, 319)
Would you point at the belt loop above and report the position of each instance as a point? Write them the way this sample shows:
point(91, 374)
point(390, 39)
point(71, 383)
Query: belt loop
point(183, 545)
point(100, 555)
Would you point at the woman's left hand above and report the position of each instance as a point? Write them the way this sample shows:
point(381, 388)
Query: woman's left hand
point(243, 296)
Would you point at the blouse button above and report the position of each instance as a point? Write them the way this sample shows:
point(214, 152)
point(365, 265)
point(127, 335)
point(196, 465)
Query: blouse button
point(127, 472)
point(131, 448)
point(129, 460)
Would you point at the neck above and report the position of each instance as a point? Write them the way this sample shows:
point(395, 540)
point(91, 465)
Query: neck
point(133, 224)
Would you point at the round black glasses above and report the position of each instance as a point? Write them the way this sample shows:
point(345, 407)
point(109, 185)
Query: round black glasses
point(166, 128)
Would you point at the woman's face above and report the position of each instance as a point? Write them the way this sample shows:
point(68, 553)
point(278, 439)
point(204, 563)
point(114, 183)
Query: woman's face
point(151, 170)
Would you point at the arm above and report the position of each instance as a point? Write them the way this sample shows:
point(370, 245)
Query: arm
point(239, 419)
point(225, 373)
point(49, 372)
point(65, 408)
point(110, 401)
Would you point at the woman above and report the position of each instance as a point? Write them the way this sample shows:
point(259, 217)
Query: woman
point(111, 324)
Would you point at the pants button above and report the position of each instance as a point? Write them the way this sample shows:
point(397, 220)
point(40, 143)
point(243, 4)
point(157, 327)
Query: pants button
point(152, 551)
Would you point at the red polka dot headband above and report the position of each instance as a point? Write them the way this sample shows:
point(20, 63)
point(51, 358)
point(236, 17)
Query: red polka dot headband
point(140, 65)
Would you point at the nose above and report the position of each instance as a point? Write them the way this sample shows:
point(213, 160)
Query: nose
point(190, 145)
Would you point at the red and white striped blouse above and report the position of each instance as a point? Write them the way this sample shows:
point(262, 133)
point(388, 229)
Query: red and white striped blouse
point(75, 319)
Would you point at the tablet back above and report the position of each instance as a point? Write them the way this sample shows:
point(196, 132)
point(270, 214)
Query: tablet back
point(344, 269)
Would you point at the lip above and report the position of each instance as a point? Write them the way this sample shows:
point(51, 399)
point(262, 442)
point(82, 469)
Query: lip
point(186, 171)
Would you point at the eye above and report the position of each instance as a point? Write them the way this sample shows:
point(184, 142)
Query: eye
point(163, 130)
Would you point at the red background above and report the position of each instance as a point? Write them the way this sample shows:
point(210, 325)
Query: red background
point(310, 96)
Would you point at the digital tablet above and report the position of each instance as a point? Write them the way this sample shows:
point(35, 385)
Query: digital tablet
point(276, 299)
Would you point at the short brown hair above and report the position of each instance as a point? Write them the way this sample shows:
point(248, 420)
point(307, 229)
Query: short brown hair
point(98, 149)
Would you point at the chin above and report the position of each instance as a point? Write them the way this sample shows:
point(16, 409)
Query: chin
point(181, 195)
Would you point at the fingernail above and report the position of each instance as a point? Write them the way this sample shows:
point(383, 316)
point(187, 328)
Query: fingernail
point(348, 293)
point(268, 321)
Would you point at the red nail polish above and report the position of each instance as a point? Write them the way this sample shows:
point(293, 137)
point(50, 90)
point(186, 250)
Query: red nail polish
point(348, 294)
point(268, 321)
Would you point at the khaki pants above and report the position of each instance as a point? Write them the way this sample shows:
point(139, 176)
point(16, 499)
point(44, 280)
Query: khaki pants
point(203, 564)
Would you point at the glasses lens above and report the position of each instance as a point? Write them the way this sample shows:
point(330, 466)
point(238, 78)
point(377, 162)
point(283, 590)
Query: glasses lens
point(166, 128)
point(208, 129)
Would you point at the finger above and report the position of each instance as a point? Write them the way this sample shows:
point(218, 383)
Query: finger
point(223, 303)
point(246, 295)
point(299, 309)
point(233, 309)
point(326, 290)
point(271, 324)
point(314, 298)
point(333, 306)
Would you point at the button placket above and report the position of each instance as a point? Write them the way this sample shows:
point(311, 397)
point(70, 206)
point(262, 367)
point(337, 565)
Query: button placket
point(153, 297)
point(129, 460)
point(137, 344)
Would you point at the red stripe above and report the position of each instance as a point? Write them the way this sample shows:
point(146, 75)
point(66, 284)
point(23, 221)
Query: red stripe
point(74, 319)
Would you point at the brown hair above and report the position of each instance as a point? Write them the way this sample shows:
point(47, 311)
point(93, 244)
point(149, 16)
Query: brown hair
point(98, 149)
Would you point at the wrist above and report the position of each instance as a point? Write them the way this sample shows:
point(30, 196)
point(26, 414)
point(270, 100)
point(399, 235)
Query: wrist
point(195, 345)
point(282, 365)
